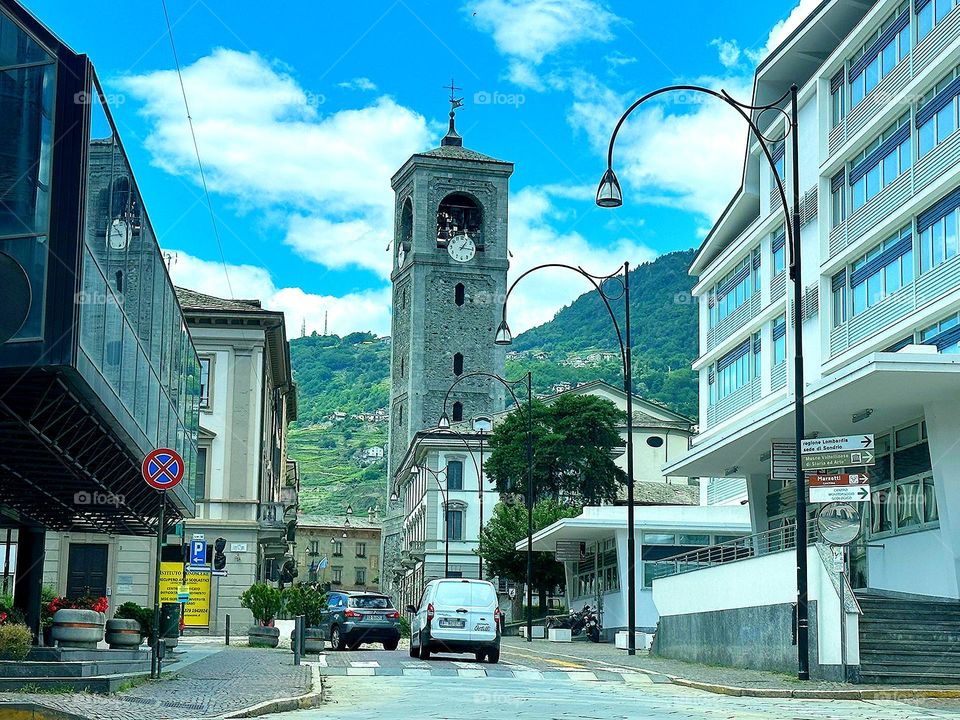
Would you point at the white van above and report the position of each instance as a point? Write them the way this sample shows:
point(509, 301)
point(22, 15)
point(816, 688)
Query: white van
point(458, 616)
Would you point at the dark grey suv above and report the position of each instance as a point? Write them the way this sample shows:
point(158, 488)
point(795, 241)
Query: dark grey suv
point(355, 618)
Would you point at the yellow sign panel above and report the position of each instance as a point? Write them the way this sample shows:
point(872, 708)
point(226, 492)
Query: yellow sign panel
point(196, 611)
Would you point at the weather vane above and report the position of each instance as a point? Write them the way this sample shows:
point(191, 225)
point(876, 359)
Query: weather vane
point(455, 102)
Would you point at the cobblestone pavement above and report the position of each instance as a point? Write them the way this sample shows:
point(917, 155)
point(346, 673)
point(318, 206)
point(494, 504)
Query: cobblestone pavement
point(450, 698)
point(587, 654)
point(226, 680)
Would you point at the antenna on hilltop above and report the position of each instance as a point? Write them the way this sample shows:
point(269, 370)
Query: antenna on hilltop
point(303, 327)
point(326, 313)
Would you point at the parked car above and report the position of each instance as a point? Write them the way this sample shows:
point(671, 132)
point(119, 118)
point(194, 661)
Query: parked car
point(356, 618)
point(456, 616)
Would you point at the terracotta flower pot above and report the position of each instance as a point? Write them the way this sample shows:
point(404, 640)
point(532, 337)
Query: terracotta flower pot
point(78, 628)
point(260, 636)
point(123, 634)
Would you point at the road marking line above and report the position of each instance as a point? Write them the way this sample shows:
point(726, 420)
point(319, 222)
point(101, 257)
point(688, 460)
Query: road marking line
point(416, 672)
point(321, 661)
point(464, 665)
point(363, 671)
point(527, 675)
point(638, 678)
point(364, 664)
point(582, 676)
point(471, 673)
point(540, 656)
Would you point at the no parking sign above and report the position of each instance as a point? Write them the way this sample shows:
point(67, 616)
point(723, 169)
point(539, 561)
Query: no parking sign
point(163, 468)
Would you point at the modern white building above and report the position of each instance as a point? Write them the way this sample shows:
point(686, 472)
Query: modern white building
point(880, 186)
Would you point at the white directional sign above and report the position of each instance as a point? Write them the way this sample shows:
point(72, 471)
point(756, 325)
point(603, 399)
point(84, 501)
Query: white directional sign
point(844, 443)
point(783, 461)
point(840, 493)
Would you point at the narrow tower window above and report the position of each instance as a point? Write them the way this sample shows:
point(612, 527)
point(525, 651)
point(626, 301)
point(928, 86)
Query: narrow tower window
point(458, 364)
point(457, 411)
point(459, 294)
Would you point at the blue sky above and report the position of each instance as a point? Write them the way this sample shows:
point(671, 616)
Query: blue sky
point(303, 110)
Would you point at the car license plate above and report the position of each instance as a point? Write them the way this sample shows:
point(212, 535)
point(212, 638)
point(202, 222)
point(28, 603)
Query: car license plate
point(452, 622)
point(482, 627)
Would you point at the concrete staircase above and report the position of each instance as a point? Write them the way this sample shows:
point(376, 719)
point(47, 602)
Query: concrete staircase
point(908, 640)
point(76, 670)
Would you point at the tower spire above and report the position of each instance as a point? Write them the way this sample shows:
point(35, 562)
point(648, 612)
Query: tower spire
point(452, 137)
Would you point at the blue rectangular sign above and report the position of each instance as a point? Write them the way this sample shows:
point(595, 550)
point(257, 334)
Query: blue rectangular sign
point(198, 552)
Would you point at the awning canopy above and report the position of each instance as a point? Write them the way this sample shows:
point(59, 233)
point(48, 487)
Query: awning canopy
point(889, 388)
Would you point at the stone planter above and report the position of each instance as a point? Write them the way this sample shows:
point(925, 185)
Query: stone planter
point(260, 636)
point(123, 634)
point(313, 641)
point(77, 628)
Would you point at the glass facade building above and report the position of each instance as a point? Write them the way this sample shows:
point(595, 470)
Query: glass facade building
point(103, 359)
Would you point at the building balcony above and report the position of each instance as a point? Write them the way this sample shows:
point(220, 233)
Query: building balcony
point(930, 286)
point(733, 322)
point(418, 549)
point(923, 55)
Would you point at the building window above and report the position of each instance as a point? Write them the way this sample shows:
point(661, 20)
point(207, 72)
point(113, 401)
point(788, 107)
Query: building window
point(455, 475)
point(597, 572)
point(734, 370)
point(880, 54)
point(458, 364)
point(459, 294)
point(778, 154)
point(204, 382)
point(403, 366)
point(930, 13)
point(361, 549)
point(314, 547)
point(836, 99)
point(880, 163)
point(838, 286)
point(838, 204)
point(938, 232)
point(778, 250)
point(882, 271)
point(455, 525)
point(457, 411)
point(361, 576)
point(945, 335)
point(736, 288)
point(337, 548)
point(902, 486)
point(200, 483)
point(779, 340)
point(336, 575)
point(936, 117)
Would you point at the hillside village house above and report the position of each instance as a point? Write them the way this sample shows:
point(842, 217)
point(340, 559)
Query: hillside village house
point(879, 172)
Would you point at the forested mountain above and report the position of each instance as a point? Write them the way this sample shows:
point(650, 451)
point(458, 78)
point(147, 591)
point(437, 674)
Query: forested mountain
point(339, 379)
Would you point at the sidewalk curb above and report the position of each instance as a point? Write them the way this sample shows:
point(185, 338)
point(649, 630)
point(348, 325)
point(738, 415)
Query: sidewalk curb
point(311, 699)
point(878, 694)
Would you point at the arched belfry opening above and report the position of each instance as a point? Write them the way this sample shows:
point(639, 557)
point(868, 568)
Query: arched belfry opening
point(458, 214)
point(405, 237)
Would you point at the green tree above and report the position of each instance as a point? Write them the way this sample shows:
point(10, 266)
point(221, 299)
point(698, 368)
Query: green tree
point(572, 441)
point(508, 526)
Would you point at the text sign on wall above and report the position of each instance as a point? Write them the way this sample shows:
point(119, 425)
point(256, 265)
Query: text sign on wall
point(570, 550)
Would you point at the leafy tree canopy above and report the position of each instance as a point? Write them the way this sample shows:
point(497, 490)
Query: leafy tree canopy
point(572, 439)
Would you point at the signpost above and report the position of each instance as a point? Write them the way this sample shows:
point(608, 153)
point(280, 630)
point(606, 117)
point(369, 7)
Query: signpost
point(162, 469)
point(783, 461)
point(837, 452)
point(198, 550)
point(842, 487)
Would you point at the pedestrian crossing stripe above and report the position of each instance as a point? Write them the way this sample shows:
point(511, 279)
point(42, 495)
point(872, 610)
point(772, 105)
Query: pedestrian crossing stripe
point(365, 664)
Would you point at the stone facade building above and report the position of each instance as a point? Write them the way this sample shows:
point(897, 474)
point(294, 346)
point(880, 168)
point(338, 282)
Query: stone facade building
point(350, 547)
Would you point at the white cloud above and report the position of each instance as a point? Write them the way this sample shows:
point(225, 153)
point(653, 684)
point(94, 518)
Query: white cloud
point(728, 50)
point(781, 31)
point(267, 143)
point(364, 310)
point(527, 31)
point(535, 239)
point(360, 83)
point(685, 151)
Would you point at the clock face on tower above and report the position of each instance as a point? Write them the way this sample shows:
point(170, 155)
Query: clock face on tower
point(461, 248)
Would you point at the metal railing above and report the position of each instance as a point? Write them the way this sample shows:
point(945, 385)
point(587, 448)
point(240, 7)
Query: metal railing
point(750, 546)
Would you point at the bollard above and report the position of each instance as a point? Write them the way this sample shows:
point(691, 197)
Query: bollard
point(296, 639)
point(228, 629)
point(303, 633)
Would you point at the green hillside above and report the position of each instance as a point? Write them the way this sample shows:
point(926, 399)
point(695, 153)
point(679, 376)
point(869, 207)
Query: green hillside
point(350, 376)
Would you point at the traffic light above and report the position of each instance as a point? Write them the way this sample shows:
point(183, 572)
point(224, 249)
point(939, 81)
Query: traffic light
point(219, 559)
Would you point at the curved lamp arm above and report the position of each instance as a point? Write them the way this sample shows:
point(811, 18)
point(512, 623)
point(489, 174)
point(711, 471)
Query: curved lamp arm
point(477, 373)
point(609, 181)
point(505, 337)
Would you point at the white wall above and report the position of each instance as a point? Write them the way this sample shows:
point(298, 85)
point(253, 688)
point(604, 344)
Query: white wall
point(913, 563)
point(764, 580)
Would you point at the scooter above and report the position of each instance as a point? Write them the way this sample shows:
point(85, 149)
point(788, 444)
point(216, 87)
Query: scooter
point(592, 624)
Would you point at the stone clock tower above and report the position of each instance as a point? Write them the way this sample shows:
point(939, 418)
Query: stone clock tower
point(449, 278)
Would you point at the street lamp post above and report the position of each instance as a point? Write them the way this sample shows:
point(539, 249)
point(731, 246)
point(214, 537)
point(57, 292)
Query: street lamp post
point(610, 195)
point(445, 425)
point(601, 284)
